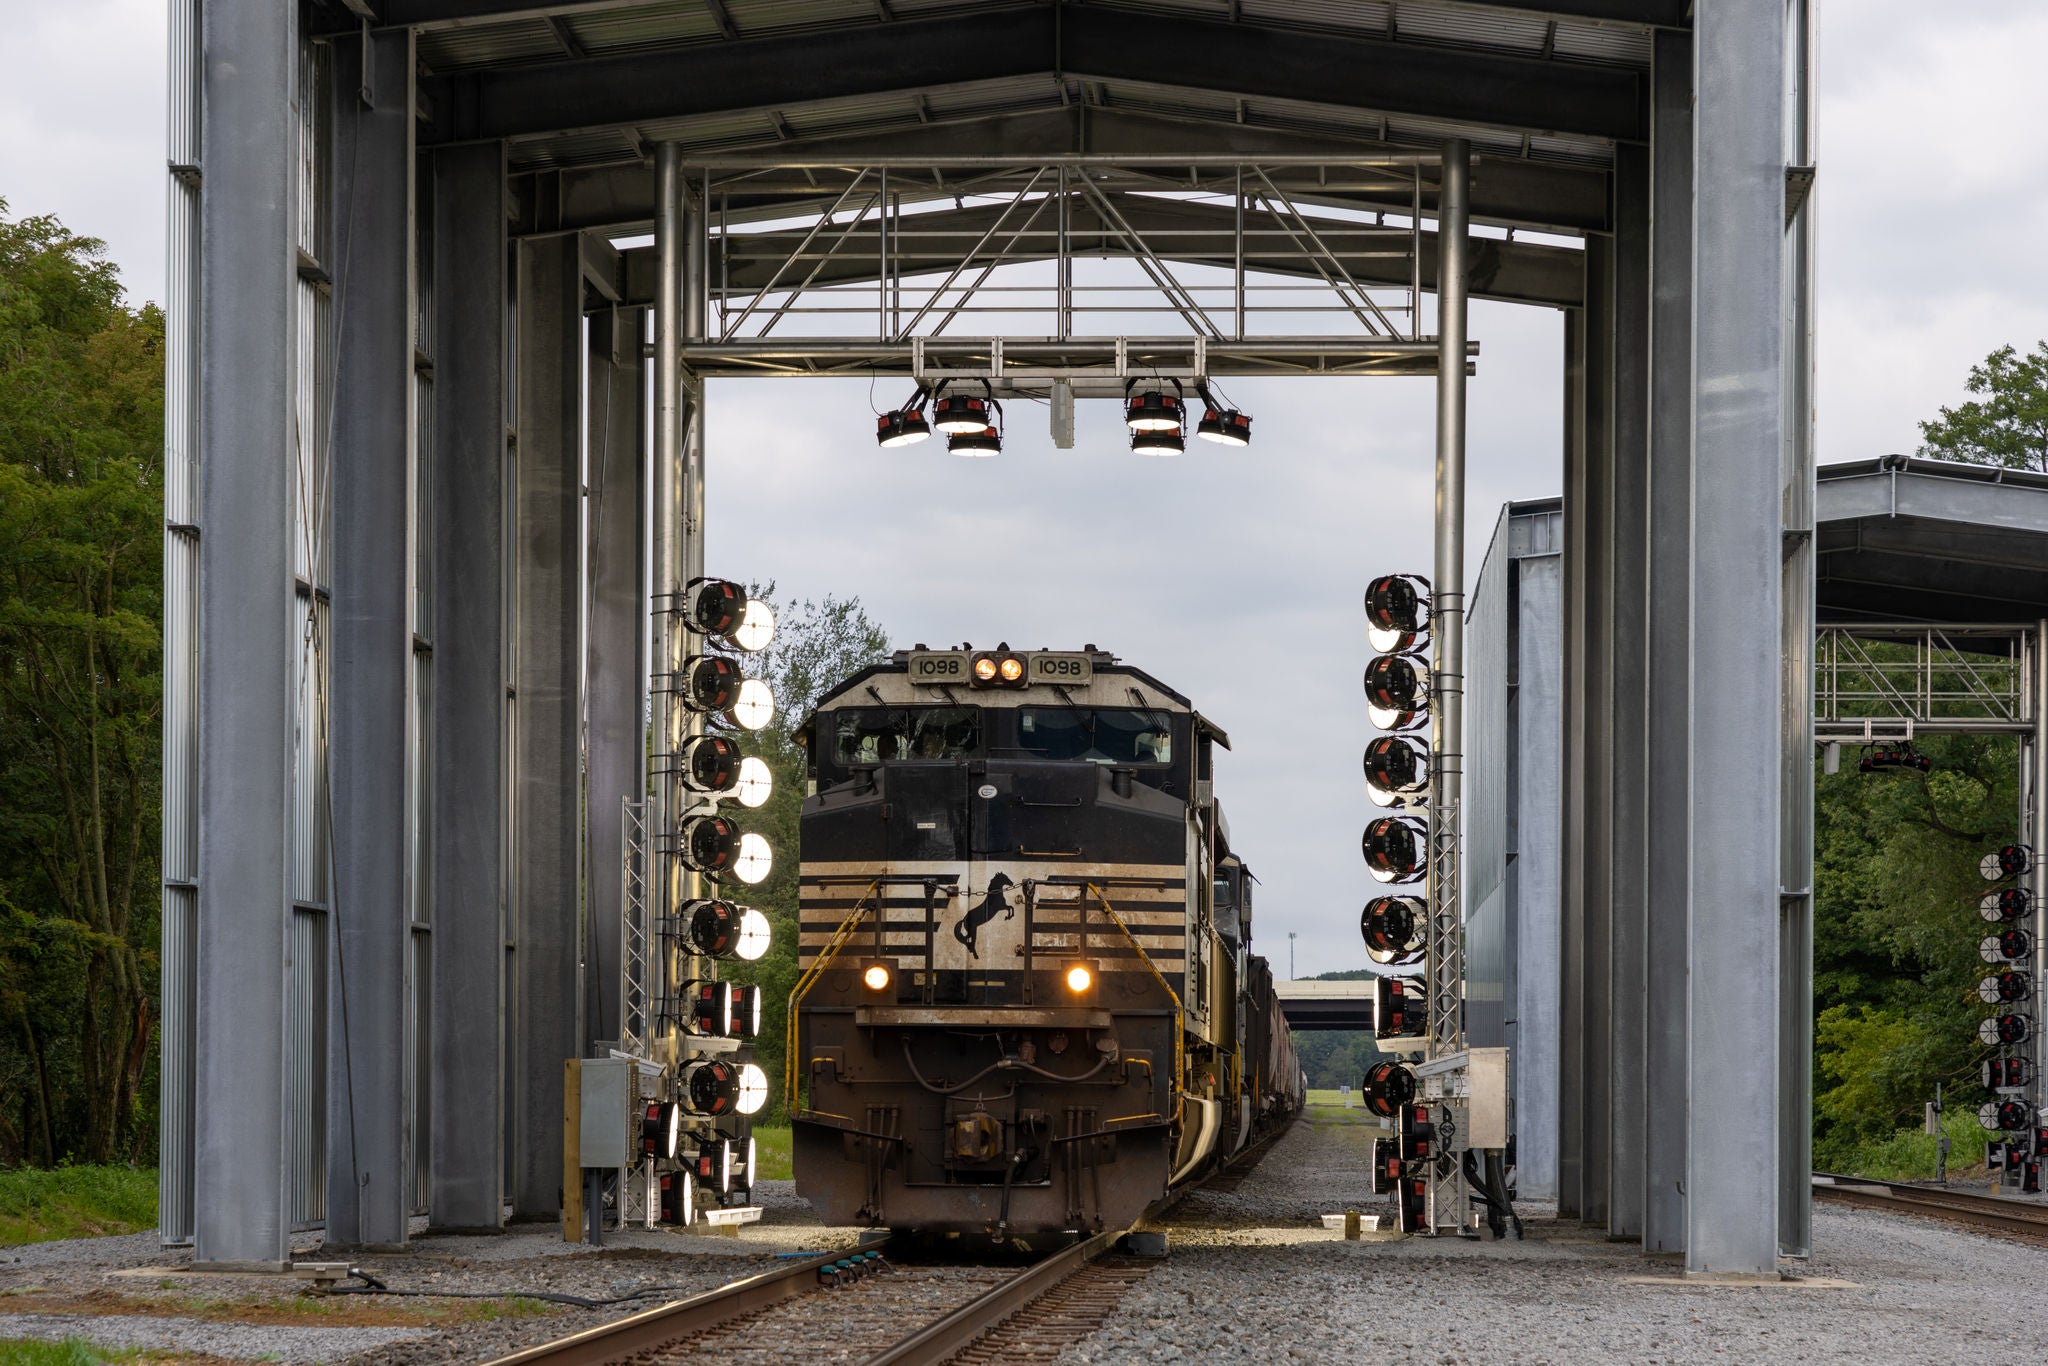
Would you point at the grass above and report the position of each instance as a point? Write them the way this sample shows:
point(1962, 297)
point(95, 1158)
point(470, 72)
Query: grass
point(38, 1204)
point(74, 1352)
point(1909, 1154)
point(772, 1152)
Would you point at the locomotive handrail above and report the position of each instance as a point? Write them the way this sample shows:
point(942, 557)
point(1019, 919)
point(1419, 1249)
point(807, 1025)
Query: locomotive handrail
point(791, 1045)
point(1179, 1020)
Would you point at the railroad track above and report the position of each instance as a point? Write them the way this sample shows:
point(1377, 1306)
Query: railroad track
point(1992, 1213)
point(855, 1306)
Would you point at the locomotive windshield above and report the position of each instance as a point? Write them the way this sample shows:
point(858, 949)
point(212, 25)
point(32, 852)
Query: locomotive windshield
point(1104, 735)
point(875, 735)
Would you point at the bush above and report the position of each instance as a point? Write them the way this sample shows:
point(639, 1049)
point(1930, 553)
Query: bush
point(39, 1204)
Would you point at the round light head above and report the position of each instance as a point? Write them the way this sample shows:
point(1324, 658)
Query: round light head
point(2003, 988)
point(2005, 1030)
point(752, 940)
point(754, 783)
point(1384, 718)
point(1397, 602)
point(660, 1127)
point(1392, 928)
point(975, 445)
point(714, 607)
point(709, 763)
point(1386, 1087)
point(712, 683)
point(1154, 411)
point(753, 1089)
point(757, 626)
point(1011, 669)
point(1395, 684)
point(753, 707)
point(1396, 642)
point(746, 1012)
point(1225, 426)
point(1158, 441)
point(709, 1008)
point(2011, 861)
point(725, 1164)
point(754, 860)
point(956, 413)
point(901, 427)
point(710, 1087)
point(1396, 768)
point(1393, 849)
point(1079, 978)
point(985, 669)
point(875, 977)
point(712, 927)
point(707, 844)
point(683, 1199)
point(2004, 1116)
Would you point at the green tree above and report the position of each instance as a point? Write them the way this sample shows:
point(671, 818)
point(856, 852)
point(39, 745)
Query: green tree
point(81, 518)
point(2009, 425)
point(817, 645)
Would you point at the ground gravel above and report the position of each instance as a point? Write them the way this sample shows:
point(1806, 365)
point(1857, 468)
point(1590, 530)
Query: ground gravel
point(266, 1342)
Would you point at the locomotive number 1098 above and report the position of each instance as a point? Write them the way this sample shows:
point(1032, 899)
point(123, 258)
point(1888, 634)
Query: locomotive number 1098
point(957, 666)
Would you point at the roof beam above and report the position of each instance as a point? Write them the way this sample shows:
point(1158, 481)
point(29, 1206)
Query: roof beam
point(786, 71)
point(1506, 192)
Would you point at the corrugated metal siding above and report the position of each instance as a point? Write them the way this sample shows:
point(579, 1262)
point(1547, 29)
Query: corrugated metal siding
point(419, 1038)
point(1487, 908)
point(306, 1067)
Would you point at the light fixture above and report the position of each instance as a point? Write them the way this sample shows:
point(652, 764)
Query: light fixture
point(742, 1153)
point(710, 1086)
point(2007, 946)
point(746, 1012)
point(959, 414)
point(2003, 988)
point(712, 683)
point(1889, 754)
point(901, 427)
point(2005, 1115)
point(753, 1089)
point(1392, 928)
point(1396, 692)
point(2006, 904)
point(661, 1123)
point(2006, 1074)
point(755, 706)
point(1393, 849)
point(709, 763)
point(754, 861)
point(998, 670)
point(2005, 1030)
point(1012, 669)
point(721, 608)
point(1397, 1007)
point(754, 784)
point(1396, 768)
point(711, 1163)
point(1396, 605)
point(1079, 978)
point(1387, 1086)
point(707, 844)
point(679, 1199)
point(1158, 441)
point(708, 1008)
point(875, 976)
point(2011, 861)
point(1150, 410)
point(1221, 423)
point(719, 929)
point(976, 445)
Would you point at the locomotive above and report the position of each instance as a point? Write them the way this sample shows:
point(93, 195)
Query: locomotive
point(1027, 1002)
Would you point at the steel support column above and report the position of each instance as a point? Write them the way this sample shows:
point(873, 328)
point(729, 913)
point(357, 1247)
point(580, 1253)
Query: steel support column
point(472, 487)
point(1596, 739)
point(616, 676)
point(371, 675)
point(1737, 658)
point(665, 544)
point(546, 654)
point(249, 631)
point(1628, 782)
point(1667, 1095)
point(1571, 813)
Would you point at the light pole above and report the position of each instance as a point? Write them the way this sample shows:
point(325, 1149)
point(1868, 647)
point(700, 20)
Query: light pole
point(1290, 955)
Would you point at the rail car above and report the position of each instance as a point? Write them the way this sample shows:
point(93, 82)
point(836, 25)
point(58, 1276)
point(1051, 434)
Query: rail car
point(1027, 1000)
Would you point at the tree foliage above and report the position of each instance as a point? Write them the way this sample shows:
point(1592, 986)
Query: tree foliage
point(2009, 425)
point(81, 508)
point(817, 645)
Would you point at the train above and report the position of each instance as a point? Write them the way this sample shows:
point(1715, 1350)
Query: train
point(1027, 1002)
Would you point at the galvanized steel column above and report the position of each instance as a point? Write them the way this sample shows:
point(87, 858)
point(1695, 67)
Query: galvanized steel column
point(1667, 1096)
point(370, 678)
point(1629, 547)
point(472, 492)
point(1571, 809)
point(547, 773)
point(248, 631)
point(666, 536)
point(1737, 600)
point(1597, 738)
point(616, 677)
point(1448, 584)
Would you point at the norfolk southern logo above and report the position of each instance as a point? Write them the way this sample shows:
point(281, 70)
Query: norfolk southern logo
point(996, 900)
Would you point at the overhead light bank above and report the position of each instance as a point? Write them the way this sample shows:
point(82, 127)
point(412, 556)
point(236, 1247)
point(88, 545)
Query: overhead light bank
point(1155, 411)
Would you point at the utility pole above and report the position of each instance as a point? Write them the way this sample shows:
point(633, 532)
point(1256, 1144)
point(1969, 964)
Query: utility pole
point(1290, 955)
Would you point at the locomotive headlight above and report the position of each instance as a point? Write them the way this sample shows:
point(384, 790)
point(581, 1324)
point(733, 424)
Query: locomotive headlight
point(985, 669)
point(661, 1125)
point(752, 940)
point(753, 1089)
point(1080, 977)
point(754, 861)
point(1011, 669)
point(875, 976)
point(754, 783)
point(754, 707)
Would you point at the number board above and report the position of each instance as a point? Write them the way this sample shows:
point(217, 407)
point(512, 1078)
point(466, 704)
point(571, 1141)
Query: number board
point(940, 667)
point(1060, 668)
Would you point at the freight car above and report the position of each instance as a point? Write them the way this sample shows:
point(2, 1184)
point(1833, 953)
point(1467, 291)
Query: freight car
point(1028, 1002)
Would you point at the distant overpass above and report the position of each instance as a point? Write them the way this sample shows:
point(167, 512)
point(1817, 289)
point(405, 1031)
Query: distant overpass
point(1326, 1005)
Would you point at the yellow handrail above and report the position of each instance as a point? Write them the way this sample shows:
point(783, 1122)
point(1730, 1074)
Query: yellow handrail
point(1179, 1021)
point(803, 986)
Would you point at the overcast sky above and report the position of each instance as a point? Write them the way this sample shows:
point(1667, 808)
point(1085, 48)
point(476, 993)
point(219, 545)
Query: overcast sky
point(1235, 577)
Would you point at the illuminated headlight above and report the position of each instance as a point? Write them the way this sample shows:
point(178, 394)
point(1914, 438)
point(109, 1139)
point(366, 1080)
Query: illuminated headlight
point(901, 427)
point(753, 936)
point(2006, 904)
point(875, 976)
point(976, 445)
point(999, 669)
point(754, 707)
point(754, 783)
point(746, 1012)
point(1395, 767)
point(757, 626)
point(1012, 669)
point(711, 1164)
point(719, 929)
point(1386, 1088)
point(753, 1089)
point(960, 413)
point(1080, 977)
point(1226, 426)
point(1393, 849)
point(2007, 946)
point(709, 763)
point(1160, 441)
point(1392, 928)
point(1154, 411)
point(985, 669)
point(710, 1008)
point(2005, 1030)
point(661, 1124)
point(2002, 988)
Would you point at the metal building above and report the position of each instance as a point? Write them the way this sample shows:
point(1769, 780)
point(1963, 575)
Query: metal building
point(399, 319)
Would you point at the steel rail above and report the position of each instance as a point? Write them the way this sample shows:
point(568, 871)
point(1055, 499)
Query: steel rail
point(941, 1341)
point(1992, 1213)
